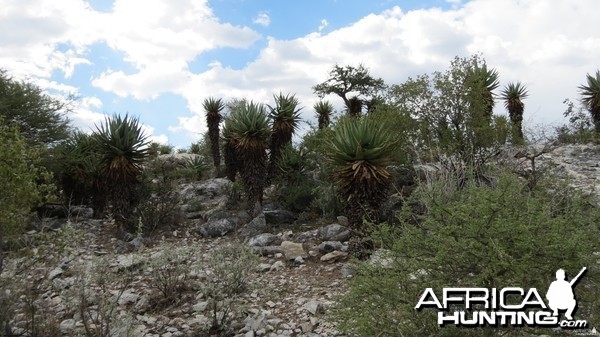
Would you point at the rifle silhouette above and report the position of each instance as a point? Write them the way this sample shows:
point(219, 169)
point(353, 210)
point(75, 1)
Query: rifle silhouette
point(577, 277)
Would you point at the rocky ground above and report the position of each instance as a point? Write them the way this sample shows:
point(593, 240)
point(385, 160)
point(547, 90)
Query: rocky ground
point(300, 272)
point(303, 264)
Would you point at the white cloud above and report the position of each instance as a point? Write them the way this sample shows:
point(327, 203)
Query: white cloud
point(549, 46)
point(323, 24)
point(262, 19)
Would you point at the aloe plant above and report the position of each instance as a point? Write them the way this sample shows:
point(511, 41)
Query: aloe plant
point(360, 151)
point(250, 132)
point(286, 118)
point(213, 108)
point(323, 109)
point(590, 94)
point(122, 148)
point(513, 95)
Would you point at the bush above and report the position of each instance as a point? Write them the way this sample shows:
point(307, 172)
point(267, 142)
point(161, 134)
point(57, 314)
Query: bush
point(168, 272)
point(580, 128)
point(295, 187)
point(159, 197)
point(21, 184)
point(97, 303)
point(481, 236)
point(228, 276)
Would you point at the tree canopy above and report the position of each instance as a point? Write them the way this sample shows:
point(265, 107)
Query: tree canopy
point(345, 80)
point(39, 117)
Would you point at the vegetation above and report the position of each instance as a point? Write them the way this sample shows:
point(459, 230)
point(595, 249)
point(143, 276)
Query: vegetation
point(489, 236)
point(19, 185)
point(251, 133)
point(484, 82)
point(466, 220)
point(213, 108)
point(347, 80)
point(360, 150)
point(122, 148)
point(513, 95)
point(590, 96)
point(286, 118)
point(323, 109)
point(229, 151)
point(39, 117)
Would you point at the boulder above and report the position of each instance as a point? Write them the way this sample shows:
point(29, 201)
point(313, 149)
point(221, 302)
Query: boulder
point(217, 228)
point(334, 232)
point(291, 250)
point(255, 227)
point(306, 236)
point(334, 256)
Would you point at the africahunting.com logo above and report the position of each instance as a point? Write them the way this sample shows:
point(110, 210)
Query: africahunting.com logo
point(511, 306)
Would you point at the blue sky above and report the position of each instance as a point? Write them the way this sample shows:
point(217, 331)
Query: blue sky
point(159, 59)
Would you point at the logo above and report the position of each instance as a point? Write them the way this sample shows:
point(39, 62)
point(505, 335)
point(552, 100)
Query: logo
point(512, 306)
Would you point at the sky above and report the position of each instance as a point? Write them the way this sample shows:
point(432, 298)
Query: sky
point(159, 59)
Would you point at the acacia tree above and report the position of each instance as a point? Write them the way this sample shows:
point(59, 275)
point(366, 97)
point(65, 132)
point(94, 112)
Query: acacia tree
point(39, 117)
point(344, 81)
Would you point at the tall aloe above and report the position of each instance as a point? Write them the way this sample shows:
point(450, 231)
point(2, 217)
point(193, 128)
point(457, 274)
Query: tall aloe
point(484, 82)
point(513, 95)
point(250, 130)
point(360, 150)
point(122, 148)
point(229, 151)
point(286, 118)
point(323, 109)
point(590, 96)
point(213, 108)
point(81, 176)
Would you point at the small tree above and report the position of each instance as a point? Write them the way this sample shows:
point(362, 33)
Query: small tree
point(343, 81)
point(19, 184)
point(39, 117)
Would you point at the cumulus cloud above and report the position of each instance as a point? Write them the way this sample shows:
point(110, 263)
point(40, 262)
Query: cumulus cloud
point(521, 39)
point(262, 19)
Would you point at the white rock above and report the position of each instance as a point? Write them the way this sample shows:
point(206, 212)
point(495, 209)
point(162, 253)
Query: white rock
point(277, 266)
point(67, 325)
point(55, 273)
point(200, 306)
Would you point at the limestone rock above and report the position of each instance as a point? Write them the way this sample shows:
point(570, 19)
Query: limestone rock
point(334, 232)
point(292, 250)
point(333, 256)
point(265, 239)
point(257, 226)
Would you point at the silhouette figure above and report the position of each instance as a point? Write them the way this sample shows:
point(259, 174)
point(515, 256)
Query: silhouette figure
point(560, 294)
